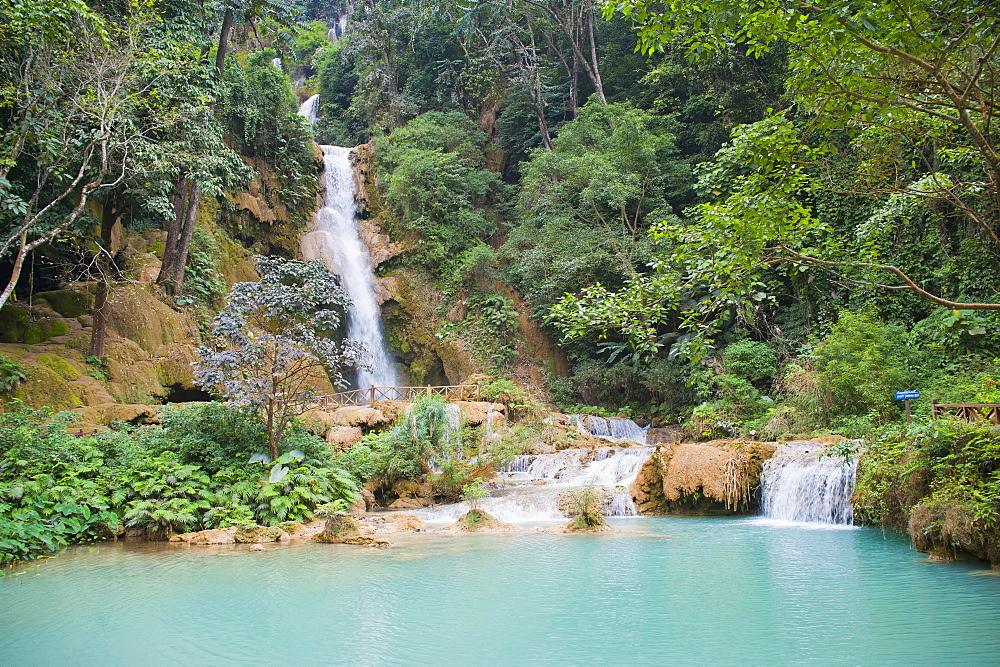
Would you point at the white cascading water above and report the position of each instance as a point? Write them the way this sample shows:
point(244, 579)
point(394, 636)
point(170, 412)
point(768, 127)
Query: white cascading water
point(334, 239)
point(533, 484)
point(614, 429)
point(310, 109)
point(798, 485)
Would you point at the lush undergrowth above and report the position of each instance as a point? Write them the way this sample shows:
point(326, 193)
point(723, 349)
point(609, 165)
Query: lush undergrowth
point(940, 480)
point(430, 444)
point(203, 467)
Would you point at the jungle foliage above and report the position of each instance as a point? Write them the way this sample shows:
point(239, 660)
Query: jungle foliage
point(757, 217)
point(205, 466)
point(428, 441)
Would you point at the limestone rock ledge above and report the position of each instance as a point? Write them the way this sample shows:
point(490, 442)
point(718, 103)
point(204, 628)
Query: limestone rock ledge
point(718, 477)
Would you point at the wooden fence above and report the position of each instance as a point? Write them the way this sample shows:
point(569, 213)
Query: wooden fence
point(967, 411)
point(455, 392)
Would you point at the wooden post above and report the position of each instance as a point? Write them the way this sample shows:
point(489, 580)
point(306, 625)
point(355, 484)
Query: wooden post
point(428, 391)
point(909, 416)
point(372, 402)
point(934, 408)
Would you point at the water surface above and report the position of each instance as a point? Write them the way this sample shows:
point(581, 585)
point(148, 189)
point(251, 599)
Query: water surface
point(667, 589)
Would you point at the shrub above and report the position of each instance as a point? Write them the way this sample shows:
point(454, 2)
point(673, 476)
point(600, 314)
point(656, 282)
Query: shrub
point(750, 360)
point(11, 374)
point(863, 361)
point(586, 509)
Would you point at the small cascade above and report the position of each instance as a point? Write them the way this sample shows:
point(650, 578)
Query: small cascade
point(536, 485)
point(614, 429)
point(310, 111)
point(334, 239)
point(336, 33)
point(799, 485)
point(276, 62)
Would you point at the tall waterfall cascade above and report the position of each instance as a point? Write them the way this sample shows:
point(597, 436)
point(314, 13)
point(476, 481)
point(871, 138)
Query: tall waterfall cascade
point(310, 109)
point(798, 485)
point(334, 239)
point(536, 486)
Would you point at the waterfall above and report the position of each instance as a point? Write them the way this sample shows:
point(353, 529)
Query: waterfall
point(800, 486)
point(611, 428)
point(310, 111)
point(334, 239)
point(336, 33)
point(536, 485)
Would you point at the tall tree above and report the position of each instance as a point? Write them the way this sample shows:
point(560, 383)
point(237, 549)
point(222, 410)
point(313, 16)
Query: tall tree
point(74, 89)
point(894, 101)
point(278, 342)
point(912, 85)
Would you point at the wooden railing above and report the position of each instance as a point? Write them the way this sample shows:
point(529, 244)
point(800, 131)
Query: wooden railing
point(454, 392)
point(967, 411)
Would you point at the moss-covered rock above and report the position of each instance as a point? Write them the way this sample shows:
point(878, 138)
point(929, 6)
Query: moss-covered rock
point(133, 377)
point(136, 314)
point(44, 329)
point(14, 320)
point(58, 365)
point(718, 477)
point(105, 415)
point(174, 366)
point(260, 535)
point(46, 388)
point(412, 328)
point(68, 303)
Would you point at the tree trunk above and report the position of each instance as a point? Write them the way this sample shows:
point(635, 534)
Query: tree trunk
point(220, 56)
point(179, 233)
point(595, 64)
point(184, 243)
point(574, 88)
point(272, 437)
point(173, 231)
point(109, 218)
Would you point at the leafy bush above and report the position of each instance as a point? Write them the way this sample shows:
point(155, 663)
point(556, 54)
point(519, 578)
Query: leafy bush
point(474, 492)
point(940, 480)
point(193, 471)
point(436, 185)
point(405, 451)
point(11, 374)
point(586, 509)
point(863, 361)
point(750, 360)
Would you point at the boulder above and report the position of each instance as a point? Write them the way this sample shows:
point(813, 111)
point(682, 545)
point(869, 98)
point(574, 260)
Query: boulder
point(369, 497)
point(357, 416)
point(299, 532)
point(409, 504)
point(359, 507)
point(392, 523)
point(212, 536)
point(343, 437)
point(318, 421)
point(342, 529)
point(477, 413)
point(132, 413)
point(715, 477)
point(260, 535)
point(664, 435)
point(406, 489)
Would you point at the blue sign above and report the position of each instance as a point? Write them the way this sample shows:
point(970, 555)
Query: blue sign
point(909, 393)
